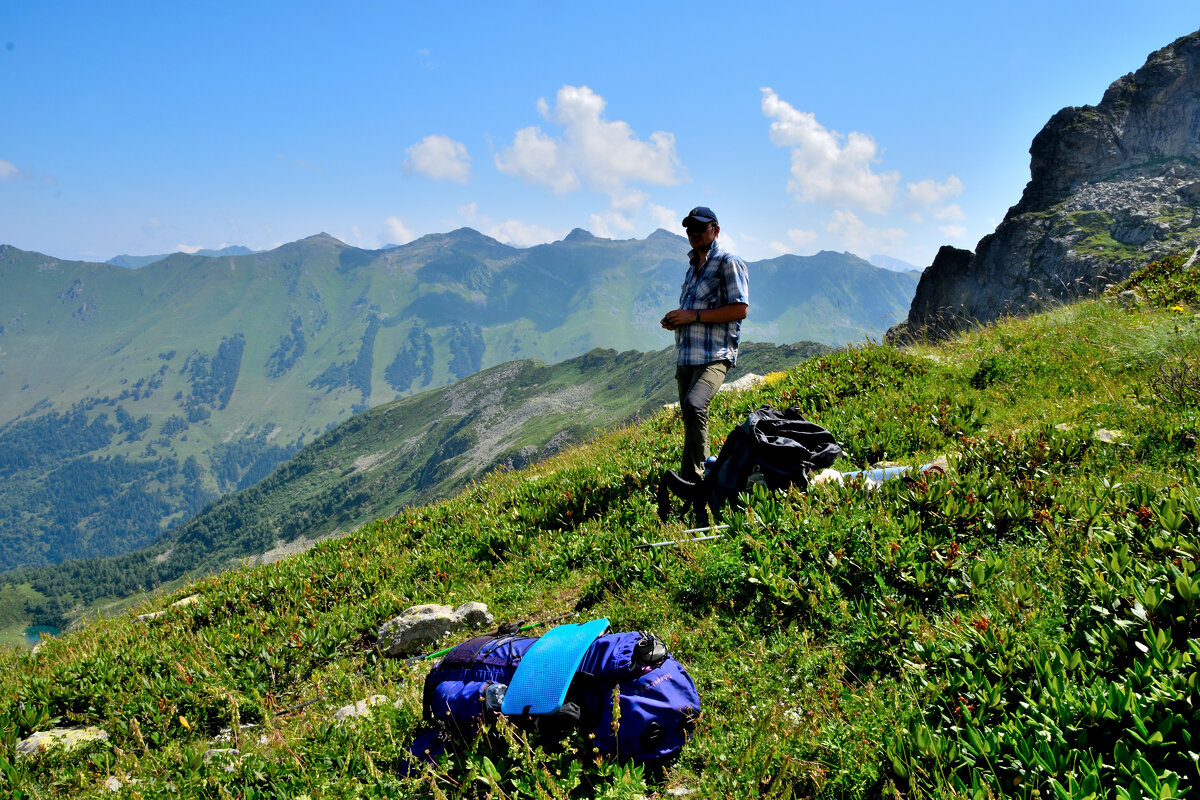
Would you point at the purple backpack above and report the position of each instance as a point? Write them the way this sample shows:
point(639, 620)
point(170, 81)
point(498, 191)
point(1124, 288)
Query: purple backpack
point(658, 702)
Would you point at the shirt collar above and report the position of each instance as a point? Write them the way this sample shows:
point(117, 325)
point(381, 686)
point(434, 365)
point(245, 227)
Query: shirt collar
point(713, 249)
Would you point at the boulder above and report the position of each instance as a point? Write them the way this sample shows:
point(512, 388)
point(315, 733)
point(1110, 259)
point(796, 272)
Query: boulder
point(66, 738)
point(420, 627)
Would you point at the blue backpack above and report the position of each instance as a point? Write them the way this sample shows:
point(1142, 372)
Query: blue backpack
point(658, 701)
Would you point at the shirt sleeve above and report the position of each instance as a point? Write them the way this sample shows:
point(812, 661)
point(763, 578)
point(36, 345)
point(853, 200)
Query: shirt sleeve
point(736, 279)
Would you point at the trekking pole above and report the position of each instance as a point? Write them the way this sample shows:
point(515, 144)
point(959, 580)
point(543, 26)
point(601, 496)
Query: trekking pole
point(415, 659)
point(649, 545)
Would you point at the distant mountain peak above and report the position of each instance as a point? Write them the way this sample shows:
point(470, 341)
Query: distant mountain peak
point(324, 237)
point(893, 263)
point(579, 235)
point(471, 235)
point(663, 233)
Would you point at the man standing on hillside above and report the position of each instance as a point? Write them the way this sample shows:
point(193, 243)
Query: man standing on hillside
point(713, 301)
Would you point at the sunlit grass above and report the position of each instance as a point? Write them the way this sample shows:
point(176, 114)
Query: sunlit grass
point(939, 637)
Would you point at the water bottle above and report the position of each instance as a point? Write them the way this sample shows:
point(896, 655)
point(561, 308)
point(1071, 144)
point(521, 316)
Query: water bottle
point(756, 479)
point(708, 464)
point(493, 696)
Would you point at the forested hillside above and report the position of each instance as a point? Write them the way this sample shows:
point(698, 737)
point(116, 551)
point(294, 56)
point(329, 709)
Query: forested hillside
point(412, 450)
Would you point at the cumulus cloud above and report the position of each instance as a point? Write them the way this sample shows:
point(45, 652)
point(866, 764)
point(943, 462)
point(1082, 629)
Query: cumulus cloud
point(521, 234)
point(439, 158)
point(798, 240)
point(188, 248)
point(395, 232)
point(855, 235)
point(511, 231)
point(592, 151)
point(611, 225)
point(952, 212)
point(957, 232)
point(539, 159)
point(929, 192)
point(930, 196)
point(664, 217)
point(828, 167)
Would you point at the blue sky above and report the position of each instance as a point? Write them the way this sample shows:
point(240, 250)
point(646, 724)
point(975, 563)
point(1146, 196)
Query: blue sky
point(872, 127)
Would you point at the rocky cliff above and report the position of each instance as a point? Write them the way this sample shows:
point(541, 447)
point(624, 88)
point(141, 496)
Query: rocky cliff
point(1111, 188)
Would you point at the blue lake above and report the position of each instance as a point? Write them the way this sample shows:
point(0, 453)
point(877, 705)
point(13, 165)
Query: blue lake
point(33, 634)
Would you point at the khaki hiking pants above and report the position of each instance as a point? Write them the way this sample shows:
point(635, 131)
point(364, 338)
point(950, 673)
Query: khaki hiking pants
point(697, 385)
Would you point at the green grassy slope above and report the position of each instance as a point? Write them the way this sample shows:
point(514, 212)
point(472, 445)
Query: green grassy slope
point(1027, 626)
point(411, 450)
point(132, 398)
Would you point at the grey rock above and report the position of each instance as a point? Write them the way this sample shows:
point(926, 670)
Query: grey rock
point(420, 627)
point(227, 754)
point(66, 738)
point(360, 709)
point(1112, 187)
point(187, 601)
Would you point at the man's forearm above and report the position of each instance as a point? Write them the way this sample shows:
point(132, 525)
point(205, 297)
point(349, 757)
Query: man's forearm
point(710, 316)
point(732, 312)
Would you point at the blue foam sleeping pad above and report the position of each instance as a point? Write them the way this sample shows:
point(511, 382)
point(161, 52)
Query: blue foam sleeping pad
point(540, 683)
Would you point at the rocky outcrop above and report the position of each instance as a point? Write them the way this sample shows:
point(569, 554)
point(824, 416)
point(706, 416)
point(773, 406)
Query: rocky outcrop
point(1112, 187)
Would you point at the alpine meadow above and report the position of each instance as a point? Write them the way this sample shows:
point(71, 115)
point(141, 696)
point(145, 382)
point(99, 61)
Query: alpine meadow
point(1026, 624)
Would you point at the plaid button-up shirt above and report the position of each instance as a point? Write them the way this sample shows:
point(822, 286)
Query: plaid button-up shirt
point(720, 280)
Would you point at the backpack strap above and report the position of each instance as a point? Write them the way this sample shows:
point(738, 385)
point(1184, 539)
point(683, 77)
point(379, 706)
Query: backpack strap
point(466, 652)
point(541, 681)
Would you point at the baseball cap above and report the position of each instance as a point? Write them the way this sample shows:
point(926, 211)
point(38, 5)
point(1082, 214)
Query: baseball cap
point(699, 214)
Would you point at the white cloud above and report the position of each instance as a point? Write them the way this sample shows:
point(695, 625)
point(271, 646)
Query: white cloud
point(512, 231)
point(8, 170)
point(728, 244)
point(928, 192)
point(439, 158)
point(188, 248)
point(797, 240)
point(594, 152)
point(857, 236)
point(395, 232)
point(827, 167)
point(664, 217)
point(538, 159)
point(958, 232)
point(610, 225)
point(521, 234)
point(952, 212)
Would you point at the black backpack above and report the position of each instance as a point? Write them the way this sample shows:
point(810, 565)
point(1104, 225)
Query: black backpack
point(779, 449)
